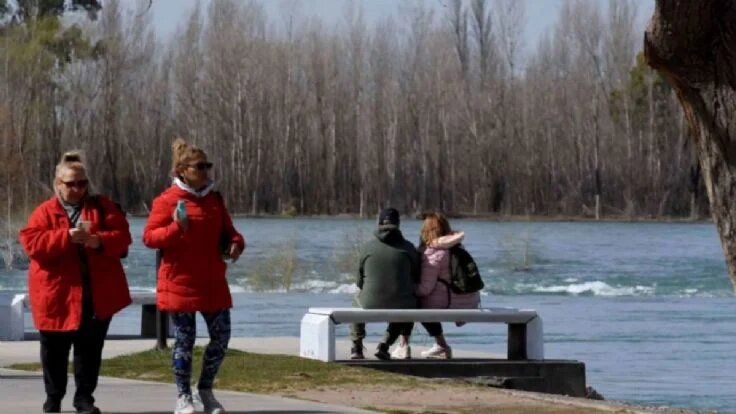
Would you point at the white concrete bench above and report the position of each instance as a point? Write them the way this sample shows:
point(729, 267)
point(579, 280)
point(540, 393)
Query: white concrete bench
point(12, 315)
point(525, 335)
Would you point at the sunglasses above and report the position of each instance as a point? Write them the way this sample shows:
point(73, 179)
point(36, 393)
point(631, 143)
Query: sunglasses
point(201, 166)
point(76, 184)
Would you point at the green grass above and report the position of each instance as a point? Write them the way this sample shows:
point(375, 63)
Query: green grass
point(247, 372)
point(288, 375)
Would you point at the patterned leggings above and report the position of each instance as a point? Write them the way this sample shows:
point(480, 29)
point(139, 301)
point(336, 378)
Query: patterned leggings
point(185, 331)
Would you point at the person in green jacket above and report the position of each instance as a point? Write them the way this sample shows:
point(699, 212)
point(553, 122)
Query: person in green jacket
point(389, 269)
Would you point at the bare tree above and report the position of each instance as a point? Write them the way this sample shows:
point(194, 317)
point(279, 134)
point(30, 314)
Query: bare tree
point(689, 42)
point(304, 117)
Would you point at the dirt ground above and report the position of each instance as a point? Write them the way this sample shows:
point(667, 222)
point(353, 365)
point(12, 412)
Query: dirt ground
point(457, 399)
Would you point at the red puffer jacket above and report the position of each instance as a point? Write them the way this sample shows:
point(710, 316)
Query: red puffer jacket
point(192, 273)
point(54, 275)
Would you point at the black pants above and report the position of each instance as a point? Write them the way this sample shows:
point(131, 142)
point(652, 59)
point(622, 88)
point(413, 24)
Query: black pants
point(393, 330)
point(88, 342)
point(433, 328)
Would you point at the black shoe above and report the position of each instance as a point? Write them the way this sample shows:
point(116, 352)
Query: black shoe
point(87, 408)
point(357, 352)
point(382, 352)
point(52, 405)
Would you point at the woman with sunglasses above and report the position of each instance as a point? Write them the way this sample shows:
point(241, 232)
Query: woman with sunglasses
point(188, 224)
point(75, 280)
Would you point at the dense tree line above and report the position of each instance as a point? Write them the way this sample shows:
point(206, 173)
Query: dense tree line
point(420, 111)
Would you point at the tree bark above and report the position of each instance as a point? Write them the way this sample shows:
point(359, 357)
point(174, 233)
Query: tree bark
point(691, 43)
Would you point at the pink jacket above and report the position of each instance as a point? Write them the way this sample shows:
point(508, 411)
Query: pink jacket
point(433, 293)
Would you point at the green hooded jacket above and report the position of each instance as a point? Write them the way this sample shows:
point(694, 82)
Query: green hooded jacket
point(389, 268)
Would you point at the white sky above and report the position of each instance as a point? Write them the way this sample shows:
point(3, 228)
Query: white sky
point(541, 14)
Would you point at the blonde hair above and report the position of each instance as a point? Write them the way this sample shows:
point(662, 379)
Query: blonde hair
point(71, 160)
point(182, 154)
point(435, 225)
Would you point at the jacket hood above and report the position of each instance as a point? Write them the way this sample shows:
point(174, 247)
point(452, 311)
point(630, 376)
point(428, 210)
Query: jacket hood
point(389, 234)
point(201, 193)
point(448, 241)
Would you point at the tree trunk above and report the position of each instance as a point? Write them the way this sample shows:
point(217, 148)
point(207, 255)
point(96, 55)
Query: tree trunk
point(690, 42)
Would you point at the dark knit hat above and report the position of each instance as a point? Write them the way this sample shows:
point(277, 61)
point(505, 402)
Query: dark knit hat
point(388, 216)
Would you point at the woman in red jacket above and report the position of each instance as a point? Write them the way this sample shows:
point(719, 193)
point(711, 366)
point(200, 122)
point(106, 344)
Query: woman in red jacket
point(75, 280)
point(191, 277)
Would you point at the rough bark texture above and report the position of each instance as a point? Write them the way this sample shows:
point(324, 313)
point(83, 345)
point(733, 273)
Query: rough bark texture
point(692, 43)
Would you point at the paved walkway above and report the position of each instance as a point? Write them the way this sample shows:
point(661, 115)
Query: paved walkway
point(22, 392)
point(13, 352)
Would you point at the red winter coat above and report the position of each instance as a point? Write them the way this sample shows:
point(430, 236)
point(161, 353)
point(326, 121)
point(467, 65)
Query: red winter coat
point(192, 273)
point(54, 275)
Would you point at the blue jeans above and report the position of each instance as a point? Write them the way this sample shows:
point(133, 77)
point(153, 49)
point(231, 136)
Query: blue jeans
point(185, 332)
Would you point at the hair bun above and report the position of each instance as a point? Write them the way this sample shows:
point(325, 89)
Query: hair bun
point(71, 156)
point(179, 146)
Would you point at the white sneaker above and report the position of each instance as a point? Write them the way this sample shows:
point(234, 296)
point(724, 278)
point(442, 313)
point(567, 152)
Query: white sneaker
point(184, 405)
point(438, 352)
point(210, 403)
point(401, 352)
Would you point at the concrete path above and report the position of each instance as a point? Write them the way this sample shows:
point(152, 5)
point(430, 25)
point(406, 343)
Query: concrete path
point(22, 392)
point(12, 352)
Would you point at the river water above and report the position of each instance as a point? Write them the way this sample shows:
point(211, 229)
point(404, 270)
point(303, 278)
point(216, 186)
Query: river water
point(648, 307)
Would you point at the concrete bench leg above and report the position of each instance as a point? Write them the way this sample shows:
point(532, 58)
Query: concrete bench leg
point(535, 339)
point(317, 339)
point(155, 324)
point(11, 318)
point(148, 321)
point(526, 340)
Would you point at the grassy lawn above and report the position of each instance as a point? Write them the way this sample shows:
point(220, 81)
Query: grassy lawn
point(248, 372)
point(288, 375)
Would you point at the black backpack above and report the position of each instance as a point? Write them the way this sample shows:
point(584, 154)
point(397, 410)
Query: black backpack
point(101, 211)
point(464, 272)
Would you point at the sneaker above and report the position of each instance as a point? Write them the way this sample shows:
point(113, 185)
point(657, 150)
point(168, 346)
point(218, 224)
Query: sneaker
point(210, 403)
point(184, 405)
point(86, 407)
point(401, 352)
point(382, 352)
point(438, 352)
